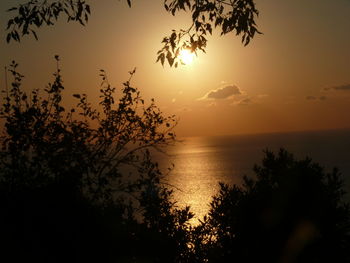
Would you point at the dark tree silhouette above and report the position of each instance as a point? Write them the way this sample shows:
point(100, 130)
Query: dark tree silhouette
point(237, 16)
point(83, 185)
point(291, 212)
point(43, 141)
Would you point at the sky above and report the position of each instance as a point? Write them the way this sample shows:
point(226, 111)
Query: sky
point(293, 77)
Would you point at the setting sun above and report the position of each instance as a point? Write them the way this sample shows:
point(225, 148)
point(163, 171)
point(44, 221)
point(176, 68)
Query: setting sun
point(186, 56)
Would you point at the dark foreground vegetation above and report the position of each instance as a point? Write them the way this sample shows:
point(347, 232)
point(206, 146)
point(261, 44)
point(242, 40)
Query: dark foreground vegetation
point(82, 186)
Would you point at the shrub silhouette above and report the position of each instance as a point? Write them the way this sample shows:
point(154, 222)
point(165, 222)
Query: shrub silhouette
point(77, 185)
point(291, 212)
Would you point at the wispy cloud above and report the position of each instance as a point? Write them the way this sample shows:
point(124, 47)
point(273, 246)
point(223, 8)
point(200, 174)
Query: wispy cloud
point(314, 98)
point(345, 87)
point(222, 93)
point(243, 102)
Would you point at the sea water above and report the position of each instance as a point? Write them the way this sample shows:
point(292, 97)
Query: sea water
point(201, 162)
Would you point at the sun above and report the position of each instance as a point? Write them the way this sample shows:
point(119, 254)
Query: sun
point(186, 56)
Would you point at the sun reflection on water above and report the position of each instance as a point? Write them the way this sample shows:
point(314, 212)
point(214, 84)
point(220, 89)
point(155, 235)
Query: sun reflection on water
point(202, 162)
point(199, 167)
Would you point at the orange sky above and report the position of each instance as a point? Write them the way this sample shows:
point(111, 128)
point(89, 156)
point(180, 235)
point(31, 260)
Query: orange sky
point(296, 76)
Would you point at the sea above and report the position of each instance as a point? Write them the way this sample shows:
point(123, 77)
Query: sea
point(200, 163)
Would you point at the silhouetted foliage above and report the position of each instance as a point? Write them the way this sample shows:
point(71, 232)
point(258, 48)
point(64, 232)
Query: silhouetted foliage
point(83, 184)
point(237, 16)
point(35, 13)
point(291, 212)
point(43, 142)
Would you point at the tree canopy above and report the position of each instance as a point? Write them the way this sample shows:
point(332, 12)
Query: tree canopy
point(83, 183)
point(228, 16)
point(290, 211)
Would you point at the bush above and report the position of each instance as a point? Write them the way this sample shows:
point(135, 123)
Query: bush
point(291, 212)
point(78, 184)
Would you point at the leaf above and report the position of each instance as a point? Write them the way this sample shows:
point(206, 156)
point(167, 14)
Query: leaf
point(11, 9)
point(9, 23)
point(162, 58)
point(170, 59)
point(87, 8)
point(34, 34)
point(8, 37)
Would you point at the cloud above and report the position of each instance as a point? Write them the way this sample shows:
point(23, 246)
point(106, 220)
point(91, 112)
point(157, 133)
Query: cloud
point(345, 87)
point(222, 93)
point(314, 98)
point(243, 102)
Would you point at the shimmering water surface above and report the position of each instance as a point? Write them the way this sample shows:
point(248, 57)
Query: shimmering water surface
point(201, 162)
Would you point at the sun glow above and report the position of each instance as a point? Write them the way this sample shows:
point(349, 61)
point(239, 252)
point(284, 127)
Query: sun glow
point(186, 56)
